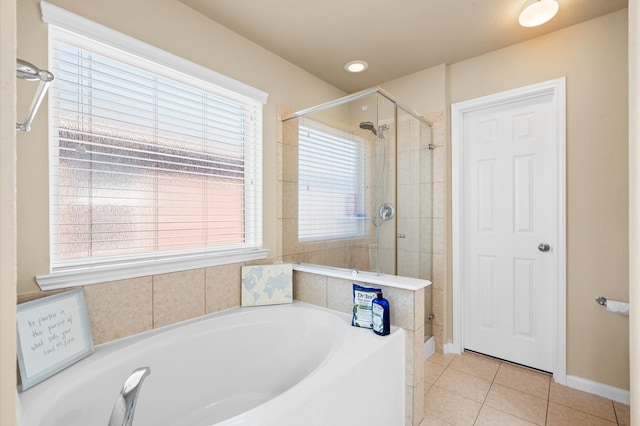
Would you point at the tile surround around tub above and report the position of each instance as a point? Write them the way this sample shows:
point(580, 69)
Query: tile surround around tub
point(407, 311)
point(119, 309)
point(178, 296)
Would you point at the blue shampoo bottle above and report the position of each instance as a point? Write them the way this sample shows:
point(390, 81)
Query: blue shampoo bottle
point(380, 311)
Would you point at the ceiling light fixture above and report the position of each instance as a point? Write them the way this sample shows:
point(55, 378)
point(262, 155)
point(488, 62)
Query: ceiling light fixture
point(356, 66)
point(537, 12)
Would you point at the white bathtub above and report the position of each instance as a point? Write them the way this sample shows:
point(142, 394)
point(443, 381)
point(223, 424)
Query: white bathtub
point(279, 365)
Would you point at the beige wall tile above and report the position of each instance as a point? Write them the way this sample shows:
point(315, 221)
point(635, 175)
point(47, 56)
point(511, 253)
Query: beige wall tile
point(289, 200)
point(340, 295)
point(414, 365)
point(439, 266)
point(310, 288)
point(120, 308)
point(439, 159)
point(401, 305)
point(438, 335)
point(437, 306)
point(438, 236)
point(222, 287)
point(439, 191)
point(178, 297)
point(582, 401)
point(419, 309)
point(290, 163)
point(408, 405)
point(418, 403)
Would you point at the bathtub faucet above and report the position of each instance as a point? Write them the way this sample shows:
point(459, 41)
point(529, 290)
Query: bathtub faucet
point(125, 405)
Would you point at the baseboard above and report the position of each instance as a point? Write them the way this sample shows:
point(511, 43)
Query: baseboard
point(450, 348)
point(599, 389)
point(429, 347)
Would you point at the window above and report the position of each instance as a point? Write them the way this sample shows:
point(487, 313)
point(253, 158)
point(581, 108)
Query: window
point(149, 165)
point(331, 190)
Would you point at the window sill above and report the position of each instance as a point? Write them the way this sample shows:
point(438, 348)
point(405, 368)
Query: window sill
point(94, 274)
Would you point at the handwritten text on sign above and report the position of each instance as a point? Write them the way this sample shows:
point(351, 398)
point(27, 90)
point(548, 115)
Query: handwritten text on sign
point(50, 333)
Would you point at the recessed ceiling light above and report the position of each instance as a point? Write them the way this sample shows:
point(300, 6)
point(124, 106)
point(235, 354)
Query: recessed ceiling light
point(356, 66)
point(537, 12)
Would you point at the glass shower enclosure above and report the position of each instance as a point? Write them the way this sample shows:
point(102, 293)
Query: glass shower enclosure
point(357, 187)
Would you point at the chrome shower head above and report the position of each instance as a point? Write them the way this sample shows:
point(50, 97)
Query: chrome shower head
point(367, 125)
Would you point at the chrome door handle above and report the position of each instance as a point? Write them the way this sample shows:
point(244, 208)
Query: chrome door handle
point(543, 247)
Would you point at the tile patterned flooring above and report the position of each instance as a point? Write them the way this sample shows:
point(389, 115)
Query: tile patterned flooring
point(474, 390)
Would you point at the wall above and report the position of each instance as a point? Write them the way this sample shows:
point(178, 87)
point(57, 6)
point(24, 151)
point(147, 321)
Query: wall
point(175, 28)
point(634, 204)
point(7, 213)
point(593, 57)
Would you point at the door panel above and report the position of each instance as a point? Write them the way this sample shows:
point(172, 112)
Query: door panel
point(510, 190)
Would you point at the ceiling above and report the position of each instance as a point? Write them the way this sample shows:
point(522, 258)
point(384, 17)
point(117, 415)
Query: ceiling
point(396, 37)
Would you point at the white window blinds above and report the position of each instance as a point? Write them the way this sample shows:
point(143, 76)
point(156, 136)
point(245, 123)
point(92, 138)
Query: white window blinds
point(331, 191)
point(147, 162)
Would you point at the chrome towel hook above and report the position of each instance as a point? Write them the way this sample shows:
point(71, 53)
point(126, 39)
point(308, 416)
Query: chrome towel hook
point(30, 72)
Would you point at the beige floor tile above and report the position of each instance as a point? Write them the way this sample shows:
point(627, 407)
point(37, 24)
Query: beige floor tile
point(582, 401)
point(559, 415)
point(523, 379)
point(442, 359)
point(433, 421)
point(622, 413)
point(432, 371)
point(519, 404)
point(451, 408)
point(476, 365)
point(489, 416)
point(464, 384)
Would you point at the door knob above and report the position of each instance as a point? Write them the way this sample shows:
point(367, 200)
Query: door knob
point(543, 247)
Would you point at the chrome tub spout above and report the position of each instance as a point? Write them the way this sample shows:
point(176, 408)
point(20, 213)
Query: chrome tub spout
point(125, 405)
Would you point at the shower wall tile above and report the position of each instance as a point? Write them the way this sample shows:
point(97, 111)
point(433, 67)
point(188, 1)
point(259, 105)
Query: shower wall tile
point(290, 163)
point(401, 304)
point(178, 297)
point(438, 236)
point(439, 164)
point(222, 287)
point(310, 288)
point(340, 295)
point(289, 200)
point(426, 166)
point(418, 308)
point(438, 336)
point(438, 272)
point(290, 243)
point(439, 191)
point(438, 307)
point(120, 308)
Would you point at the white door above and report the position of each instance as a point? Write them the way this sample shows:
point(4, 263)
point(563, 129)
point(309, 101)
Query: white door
point(510, 231)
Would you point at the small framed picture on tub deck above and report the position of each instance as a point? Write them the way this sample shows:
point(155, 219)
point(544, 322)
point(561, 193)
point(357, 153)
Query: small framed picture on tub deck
point(53, 333)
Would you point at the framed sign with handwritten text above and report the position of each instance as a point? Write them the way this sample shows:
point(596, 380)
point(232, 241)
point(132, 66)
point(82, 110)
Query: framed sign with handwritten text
point(53, 333)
